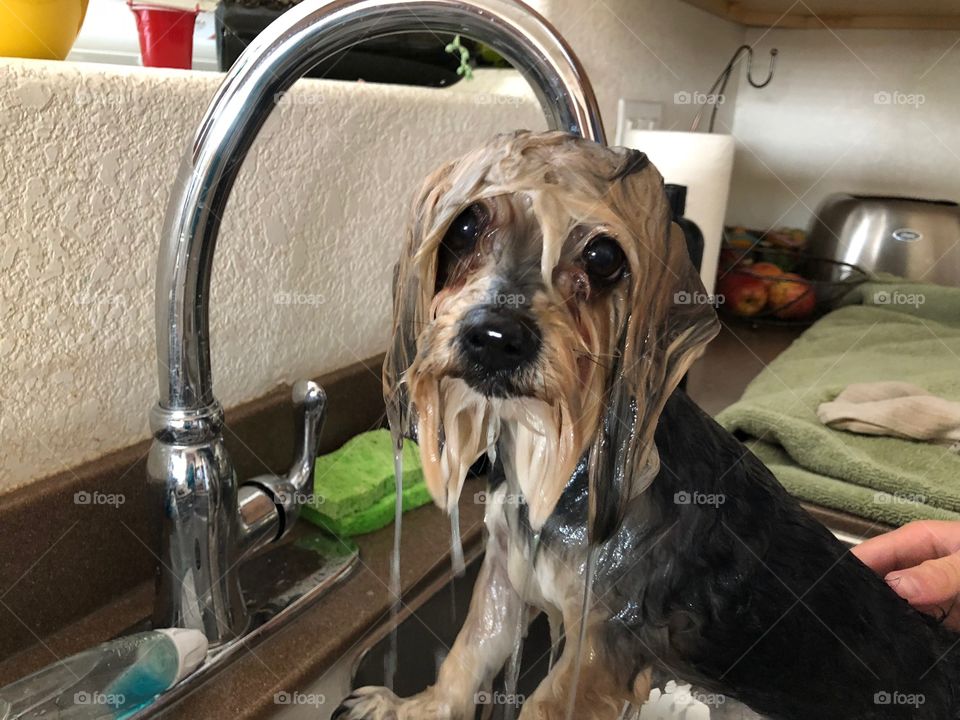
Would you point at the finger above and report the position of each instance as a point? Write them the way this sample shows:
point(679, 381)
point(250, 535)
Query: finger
point(909, 545)
point(933, 582)
point(949, 615)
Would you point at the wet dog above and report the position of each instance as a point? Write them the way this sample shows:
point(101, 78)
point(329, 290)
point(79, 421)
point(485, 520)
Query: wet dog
point(545, 310)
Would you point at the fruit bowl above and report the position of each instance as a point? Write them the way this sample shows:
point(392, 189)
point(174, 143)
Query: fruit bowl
point(775, 284)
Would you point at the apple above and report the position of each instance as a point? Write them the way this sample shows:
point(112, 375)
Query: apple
point(767, 270)
point(792, 297)
point(742, 293)
point(786, 238)
point(729, 259)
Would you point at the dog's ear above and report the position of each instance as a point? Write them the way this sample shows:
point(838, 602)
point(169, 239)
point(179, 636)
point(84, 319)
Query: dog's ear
point(668, 323)
point(412, 293)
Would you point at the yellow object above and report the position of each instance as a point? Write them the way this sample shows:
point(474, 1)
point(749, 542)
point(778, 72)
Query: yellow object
point(40, 28)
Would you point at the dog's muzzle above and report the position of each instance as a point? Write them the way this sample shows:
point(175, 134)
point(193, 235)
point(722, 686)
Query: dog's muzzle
point(496, 345)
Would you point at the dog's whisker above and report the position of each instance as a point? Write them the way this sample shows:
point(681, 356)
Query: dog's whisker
point(590, 358)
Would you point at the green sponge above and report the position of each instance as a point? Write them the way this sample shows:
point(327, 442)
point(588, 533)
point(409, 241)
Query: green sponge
point(354, 490)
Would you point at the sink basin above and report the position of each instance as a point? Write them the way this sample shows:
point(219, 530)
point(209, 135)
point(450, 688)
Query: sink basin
point(282, 580)
point(427, 628)
point(424, 637)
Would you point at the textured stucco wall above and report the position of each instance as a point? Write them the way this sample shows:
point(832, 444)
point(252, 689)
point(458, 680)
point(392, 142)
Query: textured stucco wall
point(87, 158)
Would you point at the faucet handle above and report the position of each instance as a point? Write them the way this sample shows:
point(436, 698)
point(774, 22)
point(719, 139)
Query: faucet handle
point(310, 395)
point(310, 404)
point(290, 491)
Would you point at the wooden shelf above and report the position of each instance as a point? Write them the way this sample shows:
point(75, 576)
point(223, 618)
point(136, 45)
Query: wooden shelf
point(838, 14)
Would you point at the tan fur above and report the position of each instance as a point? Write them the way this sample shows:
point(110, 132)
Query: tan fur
point(629, 346)
point(609, 360)
point(599, 696)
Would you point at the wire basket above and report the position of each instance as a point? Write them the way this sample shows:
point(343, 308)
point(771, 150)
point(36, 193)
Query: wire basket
point(782, 286)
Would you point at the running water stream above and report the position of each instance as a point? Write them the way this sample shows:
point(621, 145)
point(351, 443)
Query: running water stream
point(456, 543)
point(512, 673)
point(456, 552)
point(390, 670)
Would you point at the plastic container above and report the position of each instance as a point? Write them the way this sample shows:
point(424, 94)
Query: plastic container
point(166, 35)
point(677, 197)
point(45, 30)
point(111, 680)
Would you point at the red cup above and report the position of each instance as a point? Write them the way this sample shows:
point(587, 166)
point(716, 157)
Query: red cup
point(166, 35)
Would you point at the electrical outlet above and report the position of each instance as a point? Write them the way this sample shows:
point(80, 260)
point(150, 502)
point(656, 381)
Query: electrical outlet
point(637, 115)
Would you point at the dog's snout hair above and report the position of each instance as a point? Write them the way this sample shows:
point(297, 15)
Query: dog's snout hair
point(505, 333)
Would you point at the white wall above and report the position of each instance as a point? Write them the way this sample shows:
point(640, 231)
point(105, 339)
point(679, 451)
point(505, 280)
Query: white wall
point(648, 50)
point(839, 116)
point(88, 155)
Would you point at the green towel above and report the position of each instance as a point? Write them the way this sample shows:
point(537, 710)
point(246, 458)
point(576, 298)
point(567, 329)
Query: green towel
point(354, 489)
point(888, 329)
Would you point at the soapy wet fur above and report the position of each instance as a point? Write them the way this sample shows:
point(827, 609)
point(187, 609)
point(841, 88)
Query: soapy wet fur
point(704, 566)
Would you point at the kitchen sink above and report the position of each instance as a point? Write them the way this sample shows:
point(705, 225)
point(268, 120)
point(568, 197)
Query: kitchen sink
point(427, 627)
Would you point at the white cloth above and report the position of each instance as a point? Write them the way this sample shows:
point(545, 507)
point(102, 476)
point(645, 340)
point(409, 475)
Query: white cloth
point(895, 409)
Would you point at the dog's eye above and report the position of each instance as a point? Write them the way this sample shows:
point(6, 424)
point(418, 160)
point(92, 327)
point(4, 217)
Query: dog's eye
point(465, 230)
point(458, 243)
point(603, 259)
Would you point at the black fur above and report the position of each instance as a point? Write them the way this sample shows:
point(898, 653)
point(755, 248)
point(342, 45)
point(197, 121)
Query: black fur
point(634, 162)
point(741, 591)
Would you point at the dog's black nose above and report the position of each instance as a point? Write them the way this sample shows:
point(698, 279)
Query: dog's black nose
point(499, 338)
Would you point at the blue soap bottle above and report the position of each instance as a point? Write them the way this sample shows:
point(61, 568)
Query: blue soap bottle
point(111, 681)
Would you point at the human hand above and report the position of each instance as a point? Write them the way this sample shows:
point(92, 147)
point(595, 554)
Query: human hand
point(921, 562)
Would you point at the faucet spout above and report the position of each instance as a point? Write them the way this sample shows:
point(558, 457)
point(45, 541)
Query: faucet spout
point(211, 522)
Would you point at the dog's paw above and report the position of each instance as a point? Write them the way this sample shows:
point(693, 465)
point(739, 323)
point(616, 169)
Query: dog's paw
point(378, 703)
point(368, 703)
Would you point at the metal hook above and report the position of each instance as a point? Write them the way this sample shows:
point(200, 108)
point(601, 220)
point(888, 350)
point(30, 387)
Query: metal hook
point(773, 66)
point(720, 84)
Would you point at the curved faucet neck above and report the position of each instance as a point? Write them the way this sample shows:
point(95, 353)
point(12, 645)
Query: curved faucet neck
point(301, 38)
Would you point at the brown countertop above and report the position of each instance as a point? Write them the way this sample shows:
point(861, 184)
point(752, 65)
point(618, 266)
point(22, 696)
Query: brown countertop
point(288, 659)
point(734, 358)
point(299, 653)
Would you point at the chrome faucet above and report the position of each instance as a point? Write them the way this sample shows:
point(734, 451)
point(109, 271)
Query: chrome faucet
point(211, 522)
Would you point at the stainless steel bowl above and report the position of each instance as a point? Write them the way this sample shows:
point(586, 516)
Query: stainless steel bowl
point(913, 238)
